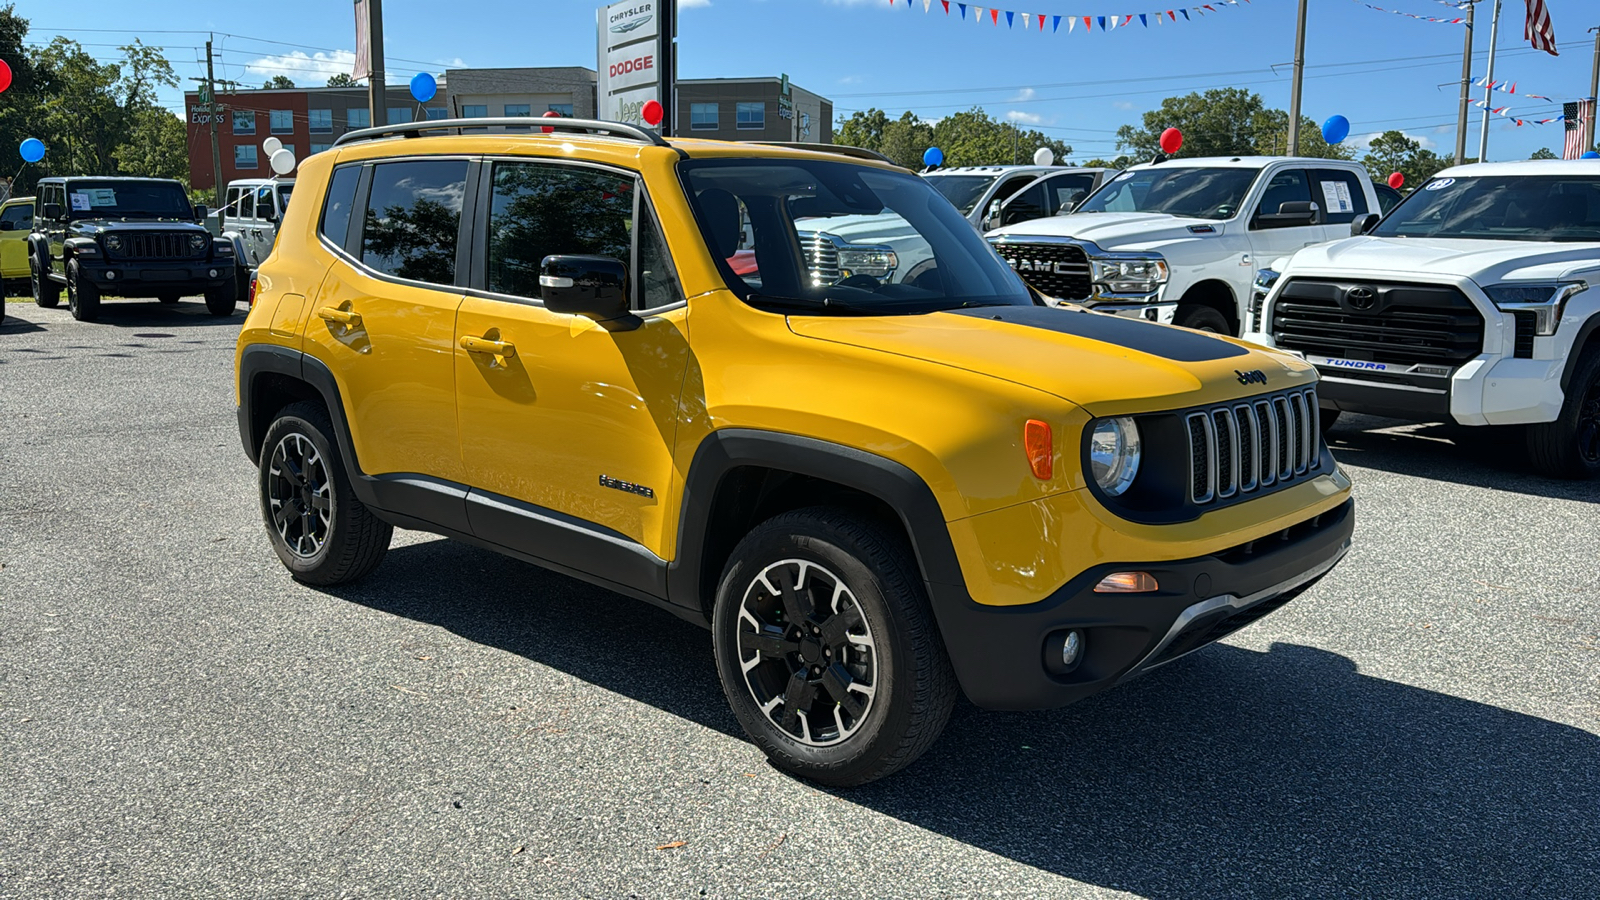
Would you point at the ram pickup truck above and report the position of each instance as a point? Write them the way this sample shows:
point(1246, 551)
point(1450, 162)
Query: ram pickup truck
point(1470, 302)
point(1179, 241)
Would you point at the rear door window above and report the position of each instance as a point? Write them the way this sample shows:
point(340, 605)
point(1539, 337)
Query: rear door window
point(412, 222)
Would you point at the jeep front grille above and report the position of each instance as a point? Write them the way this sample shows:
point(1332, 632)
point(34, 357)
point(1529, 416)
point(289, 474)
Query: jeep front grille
point(1253, 445)
point(157, 245)
point(1054, 269)
point(1404, 324)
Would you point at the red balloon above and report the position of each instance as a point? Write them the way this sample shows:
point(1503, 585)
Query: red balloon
point(550, 114)
point(1171, 140)
point(5, 76)
point(652, 112)
point(1396, 179)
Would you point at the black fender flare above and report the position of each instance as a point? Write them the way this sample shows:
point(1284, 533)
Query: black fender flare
point(260, 359)
point(1585, 333)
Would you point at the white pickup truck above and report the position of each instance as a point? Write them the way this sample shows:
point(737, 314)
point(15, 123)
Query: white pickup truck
point(1471, 302)
point(1179, 241)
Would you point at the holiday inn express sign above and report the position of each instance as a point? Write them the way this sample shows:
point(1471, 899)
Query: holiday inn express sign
point(630, 60)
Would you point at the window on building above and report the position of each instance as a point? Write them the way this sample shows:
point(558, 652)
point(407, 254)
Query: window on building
point(244, 121)
point(532, 216)
point(321, 120)
point(336, 208)
point(751, 115)
point(703, 116)
point(282, 121)
point(437, 113)
point(399, 115)
point(290, 148)
point(518, 109)
point(244, 156)
point(318, 148)
point(413, 218)
point(564, 109)
point(475, 111)
point(358, 118)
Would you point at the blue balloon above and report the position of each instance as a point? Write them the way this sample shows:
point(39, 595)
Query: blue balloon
point(933, 156)
point(423, 87)
point(1336, 129)
point(32, 150)
point(1590, 155)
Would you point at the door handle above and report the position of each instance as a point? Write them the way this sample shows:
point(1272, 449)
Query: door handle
point(504, 349)
point(343, 317)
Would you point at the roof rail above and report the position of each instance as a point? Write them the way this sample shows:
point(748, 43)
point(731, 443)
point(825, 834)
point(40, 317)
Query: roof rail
point(841, 149)
point(587, 126)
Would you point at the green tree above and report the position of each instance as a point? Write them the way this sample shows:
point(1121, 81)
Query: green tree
point(1224, 122)
point(157, 146)
point(1393, 152)
point(970, 138)
point(341, 80)
point(278, 81)
point(1544, 153)
point(862, 129)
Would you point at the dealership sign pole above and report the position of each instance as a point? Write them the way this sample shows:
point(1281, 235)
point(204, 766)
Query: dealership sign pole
point(636, 63)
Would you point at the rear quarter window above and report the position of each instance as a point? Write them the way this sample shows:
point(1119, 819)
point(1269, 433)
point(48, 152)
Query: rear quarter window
point(336, 206)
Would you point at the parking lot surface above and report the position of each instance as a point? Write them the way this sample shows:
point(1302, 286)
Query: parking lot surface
point(179, 718)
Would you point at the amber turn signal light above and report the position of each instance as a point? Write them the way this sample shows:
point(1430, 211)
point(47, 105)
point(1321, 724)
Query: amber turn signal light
point(1127, 583)
point(1040, 448)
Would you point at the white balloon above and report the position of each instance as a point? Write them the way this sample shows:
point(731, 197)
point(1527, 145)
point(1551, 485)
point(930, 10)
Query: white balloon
point(282, 161)
point(1044, 156)
point(271, 145)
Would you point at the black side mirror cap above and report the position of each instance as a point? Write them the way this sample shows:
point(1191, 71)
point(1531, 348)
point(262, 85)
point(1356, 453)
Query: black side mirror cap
point(1363, 224)
point(592, 286)
point(50, 211)
point(200, 212)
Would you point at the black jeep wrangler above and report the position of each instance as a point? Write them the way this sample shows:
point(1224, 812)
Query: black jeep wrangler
point(129, 237)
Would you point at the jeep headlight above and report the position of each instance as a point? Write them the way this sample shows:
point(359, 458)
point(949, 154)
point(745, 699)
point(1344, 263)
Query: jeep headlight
point(1131, 276)
point(1114, 454)
point(1547, 300)
point(198, 241)
point(113, 242)
point(876, 261)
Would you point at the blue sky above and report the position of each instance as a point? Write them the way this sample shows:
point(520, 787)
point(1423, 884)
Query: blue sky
point(1379, 70)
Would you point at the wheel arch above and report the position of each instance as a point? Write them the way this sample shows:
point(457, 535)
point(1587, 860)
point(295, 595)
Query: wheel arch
point(1588, 338)
point(1217, 294)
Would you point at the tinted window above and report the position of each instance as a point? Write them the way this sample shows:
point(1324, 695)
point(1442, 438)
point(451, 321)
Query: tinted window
point(657, 287)
point(1064, 191)
point(1340, 195)
point(1287, 186)
point(1203, 193)
point(154, 199)
point(20, 216)
point(336, 208)
point(962, 190)
point(1030, 204)
point(1505, 207)
point(413, 218)
point(543, 210)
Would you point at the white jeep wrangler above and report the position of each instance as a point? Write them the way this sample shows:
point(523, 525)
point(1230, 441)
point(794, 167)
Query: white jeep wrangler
point(1179, 241)
point(1469, 302)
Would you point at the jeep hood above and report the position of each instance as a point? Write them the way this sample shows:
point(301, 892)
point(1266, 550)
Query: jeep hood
point(1106, 364)
point(1115, 231)
point(119, 225)
point(1485, 262)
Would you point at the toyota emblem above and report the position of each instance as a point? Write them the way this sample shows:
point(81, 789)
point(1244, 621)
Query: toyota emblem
point(1362, 298)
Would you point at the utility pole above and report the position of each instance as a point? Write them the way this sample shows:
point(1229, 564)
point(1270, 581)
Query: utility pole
point(216, 112)
point(1466, 90)
point(377, 103)
point(1488, 91)
point(1594, 85)
point(1299, 75)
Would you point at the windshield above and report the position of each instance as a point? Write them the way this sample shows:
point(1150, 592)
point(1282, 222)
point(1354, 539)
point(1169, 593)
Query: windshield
point(772, 224)
point(132, 199)
point(284, 190)
point(963, 191)
point(1208, 193)
point(1502, 208)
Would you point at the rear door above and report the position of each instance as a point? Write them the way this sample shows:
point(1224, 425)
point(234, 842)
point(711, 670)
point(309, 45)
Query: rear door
point(16, 219)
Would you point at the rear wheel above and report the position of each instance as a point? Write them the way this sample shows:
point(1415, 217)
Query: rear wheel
point(1569, 447)
point(827, 649)
point(1201, 318)
point(46, 293)
point(83, 298)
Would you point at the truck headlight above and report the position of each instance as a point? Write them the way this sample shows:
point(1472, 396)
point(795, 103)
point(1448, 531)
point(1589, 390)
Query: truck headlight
point(113, 242)
point(1114, 454)
point(1265, 279)
point(878, 262)
point(1547, 301)
point(1134, 276)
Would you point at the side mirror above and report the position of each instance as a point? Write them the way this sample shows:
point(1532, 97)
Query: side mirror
point(50, 211)
point(593, 286)
point(1363, 224)
point(991, 220)
point(8, 226)
point(200, 212)
point(1292, 214)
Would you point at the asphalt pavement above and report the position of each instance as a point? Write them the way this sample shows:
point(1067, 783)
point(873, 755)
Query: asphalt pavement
point(178, 718)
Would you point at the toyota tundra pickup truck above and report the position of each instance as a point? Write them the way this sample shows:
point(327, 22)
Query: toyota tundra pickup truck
point(1469, 302)
point(1178, 241)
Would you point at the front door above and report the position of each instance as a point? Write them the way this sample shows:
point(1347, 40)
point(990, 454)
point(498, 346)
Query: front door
point(567, 425)
point(1268, 243)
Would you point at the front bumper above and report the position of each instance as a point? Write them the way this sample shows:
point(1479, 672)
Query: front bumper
point(1146, 307)
point(153, 275)
point(1002, 654)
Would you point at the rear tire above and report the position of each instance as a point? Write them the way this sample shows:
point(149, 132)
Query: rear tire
point(83, 298)
point(1569, 447)
point(320, 531)
point(46, 293)
point(827, 648)
point(1202, 318)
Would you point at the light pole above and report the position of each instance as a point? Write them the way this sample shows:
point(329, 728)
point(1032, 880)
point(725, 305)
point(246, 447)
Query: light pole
point(1299, 75)
point(1594, 84)
point(1466, 89)
point(1488, 91)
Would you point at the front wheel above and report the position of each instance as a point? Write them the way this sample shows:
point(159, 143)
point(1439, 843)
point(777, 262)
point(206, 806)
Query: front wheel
point(1201, 318)
point(46, 293)
point(827, 649)
point(1569, 447)
point(83, 298)
point(220, 301)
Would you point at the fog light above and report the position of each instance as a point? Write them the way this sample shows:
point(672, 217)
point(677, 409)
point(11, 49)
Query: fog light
point(1127, 583)
point(1071, 649)
point(111, 276)
point(212, 273)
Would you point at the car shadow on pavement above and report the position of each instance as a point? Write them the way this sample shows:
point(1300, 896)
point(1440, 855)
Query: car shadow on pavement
point(190, 312)
point(1228, 773)
point(1477, 457)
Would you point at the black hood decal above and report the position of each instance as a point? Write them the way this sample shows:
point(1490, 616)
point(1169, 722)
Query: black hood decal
point(1176, 344)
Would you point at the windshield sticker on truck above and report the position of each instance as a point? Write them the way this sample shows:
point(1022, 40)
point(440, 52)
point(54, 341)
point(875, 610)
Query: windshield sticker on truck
point(102, 197)
point(1337, 193)
point(1439, 185)
point(80, 201)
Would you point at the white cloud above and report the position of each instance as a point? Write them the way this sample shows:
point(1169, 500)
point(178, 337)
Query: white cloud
point(850, 79)
point(1124, 104)
point(314, 69)
point(1026, 118)
point(693, 4)
point(1024, 94)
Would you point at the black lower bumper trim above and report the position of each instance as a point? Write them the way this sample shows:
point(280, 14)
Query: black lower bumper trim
point(1396, 401)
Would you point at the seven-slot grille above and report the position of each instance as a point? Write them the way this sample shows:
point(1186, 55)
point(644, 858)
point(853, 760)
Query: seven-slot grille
point(822, 256)
point(157, 245)
point(1055, 270)
point(1252, 445)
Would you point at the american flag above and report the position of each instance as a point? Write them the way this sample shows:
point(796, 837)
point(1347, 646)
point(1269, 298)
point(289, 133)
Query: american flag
point(1580, 139)
point(1538, 31)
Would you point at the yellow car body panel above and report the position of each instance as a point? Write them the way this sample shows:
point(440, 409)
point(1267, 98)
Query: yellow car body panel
point(14, 244)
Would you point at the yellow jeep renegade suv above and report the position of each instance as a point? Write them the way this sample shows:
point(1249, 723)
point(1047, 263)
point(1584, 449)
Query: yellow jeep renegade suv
point(878, 473)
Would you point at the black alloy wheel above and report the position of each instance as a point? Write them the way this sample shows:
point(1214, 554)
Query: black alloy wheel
point(46, 293)
point(83, 298)
point(299, 495)
point(1569, 447)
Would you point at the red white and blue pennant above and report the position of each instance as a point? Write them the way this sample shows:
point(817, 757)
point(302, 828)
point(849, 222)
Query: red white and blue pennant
point(1052, 23)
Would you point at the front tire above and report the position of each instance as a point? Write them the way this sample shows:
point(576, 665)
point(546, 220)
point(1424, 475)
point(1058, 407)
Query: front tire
point(827, 648)
point(221, 301)
point(1569, 447)
point(83, 298)
point(320, 531)
point(1201, 318)
point(46, 293)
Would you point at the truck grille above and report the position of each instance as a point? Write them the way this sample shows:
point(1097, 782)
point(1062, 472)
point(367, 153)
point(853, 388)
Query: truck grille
point(1253, 445)
point(1055, 270)
point(1403, 323)
point(157, 245)
point(822, 256)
